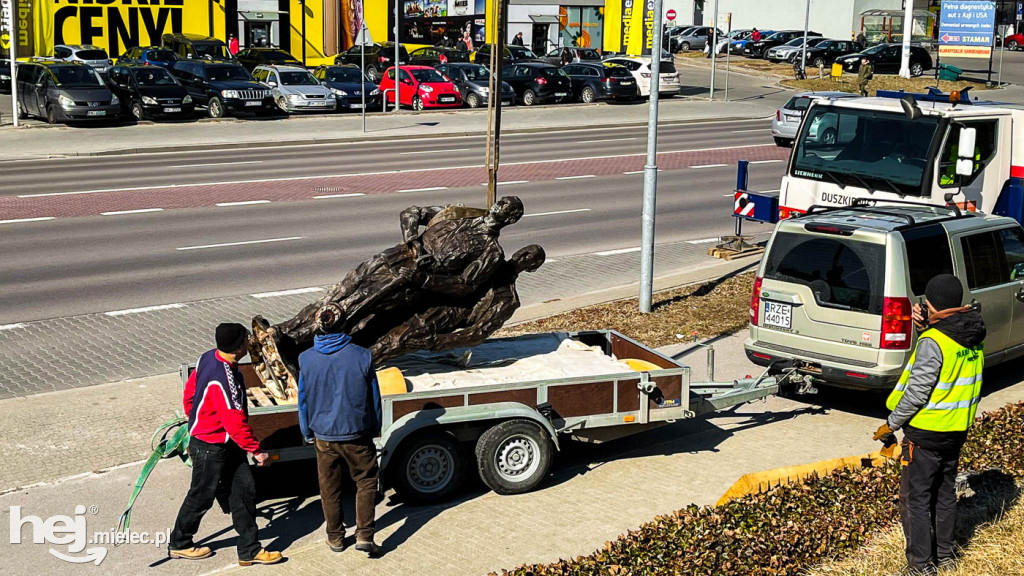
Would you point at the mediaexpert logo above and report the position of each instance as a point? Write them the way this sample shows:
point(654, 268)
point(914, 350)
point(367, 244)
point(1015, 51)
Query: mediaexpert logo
point(71, 531)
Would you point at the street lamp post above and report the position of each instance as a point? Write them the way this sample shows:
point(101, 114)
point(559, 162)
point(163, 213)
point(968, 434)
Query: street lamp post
point(12, 37)
point(650, 176)
point(807, 25)
point(908, 31)
point(302, 7)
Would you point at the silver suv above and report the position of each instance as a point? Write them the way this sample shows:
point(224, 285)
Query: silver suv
point(92, 55)
point(295, 89)
point(834, 291)
point(787, 119)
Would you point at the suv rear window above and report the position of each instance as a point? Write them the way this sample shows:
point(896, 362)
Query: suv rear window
point(797, 103)
point(843, 273)
point(667, 68)
point(928, 255)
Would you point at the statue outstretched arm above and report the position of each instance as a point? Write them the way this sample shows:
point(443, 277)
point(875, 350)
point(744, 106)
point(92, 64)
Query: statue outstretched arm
point(415, 216)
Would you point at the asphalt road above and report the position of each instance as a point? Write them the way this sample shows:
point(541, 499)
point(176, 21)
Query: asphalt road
point(582, 191)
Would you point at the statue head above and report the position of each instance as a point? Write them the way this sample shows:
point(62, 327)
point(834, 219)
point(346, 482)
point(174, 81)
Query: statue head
point(507, 210)
point(528, 258)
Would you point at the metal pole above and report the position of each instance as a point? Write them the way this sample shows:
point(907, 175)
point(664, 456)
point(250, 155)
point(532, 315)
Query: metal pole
point(362, 69)
point(908, 32)
point(398, 69)
point(12, 34)
point(494, 99)
point(714, 27)
point(651, 177)
point(302, 6)
point(1002, 49)
point(728, 51)
point(807, 25)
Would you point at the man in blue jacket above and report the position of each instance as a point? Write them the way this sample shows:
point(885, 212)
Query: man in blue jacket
point(339, 410)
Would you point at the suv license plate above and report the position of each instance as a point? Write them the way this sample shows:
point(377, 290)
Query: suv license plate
point(96, 113)
point(253, 102)
point(776, 314)
point(173, 109)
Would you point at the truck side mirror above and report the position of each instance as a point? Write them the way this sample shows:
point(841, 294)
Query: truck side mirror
point(965, 151)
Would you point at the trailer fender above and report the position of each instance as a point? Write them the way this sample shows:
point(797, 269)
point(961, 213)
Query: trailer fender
point(498, 411)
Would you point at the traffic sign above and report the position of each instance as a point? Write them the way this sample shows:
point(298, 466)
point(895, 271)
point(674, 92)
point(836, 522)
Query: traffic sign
point(965, 23)
point(671, 15)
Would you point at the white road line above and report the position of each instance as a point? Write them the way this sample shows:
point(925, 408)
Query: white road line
point(614, 252)
point(246, 203)
point(549, 260)
point(12, 326)
point(576, 177)
point(765, 161)
point(146, 309)
point(428, 189)
point(603, 141)
point(631, 172)
point(435, 151)
point(707, 166)
point(20, 220)
point(287, 292)
point(217, 164)
point(557, 212)
point(139, 211)
point(703, 240)
point(507, 182)
point(328, 196)
point(240, 243)
point(754, 130)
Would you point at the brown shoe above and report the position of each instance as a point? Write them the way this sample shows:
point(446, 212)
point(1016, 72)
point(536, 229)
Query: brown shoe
point(192, 553)
point(263, 557)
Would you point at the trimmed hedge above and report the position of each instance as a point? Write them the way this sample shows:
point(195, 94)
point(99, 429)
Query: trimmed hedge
point(788, 529)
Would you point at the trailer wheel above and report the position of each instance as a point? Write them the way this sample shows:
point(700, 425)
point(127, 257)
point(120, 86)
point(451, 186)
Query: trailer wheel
point(513, 456)
point(430, 468)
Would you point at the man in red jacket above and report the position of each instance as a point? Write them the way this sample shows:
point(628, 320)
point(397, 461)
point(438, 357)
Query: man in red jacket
point(218, 423)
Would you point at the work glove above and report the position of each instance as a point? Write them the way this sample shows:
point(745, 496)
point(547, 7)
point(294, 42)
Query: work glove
point(882, 432)
point(888, 439)
point(889, 451)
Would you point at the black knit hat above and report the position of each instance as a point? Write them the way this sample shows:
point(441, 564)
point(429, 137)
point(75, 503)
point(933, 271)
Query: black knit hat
point(944, 291)
point(230, 337)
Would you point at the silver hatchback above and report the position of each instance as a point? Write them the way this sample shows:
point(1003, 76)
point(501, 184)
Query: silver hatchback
point(295, 89)
point(87, 53)
point(787, 119)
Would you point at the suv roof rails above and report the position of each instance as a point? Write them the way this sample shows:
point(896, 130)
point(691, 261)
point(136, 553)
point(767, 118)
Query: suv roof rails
point(868, 205)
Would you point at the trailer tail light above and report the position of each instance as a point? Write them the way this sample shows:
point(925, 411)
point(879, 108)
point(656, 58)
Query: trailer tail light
point(755, 300)
point(897, 323)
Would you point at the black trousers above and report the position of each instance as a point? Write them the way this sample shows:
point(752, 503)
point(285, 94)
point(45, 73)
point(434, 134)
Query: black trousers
point(216, 468)
point(928, 502)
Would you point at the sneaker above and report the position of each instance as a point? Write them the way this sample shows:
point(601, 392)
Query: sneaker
point(192, 553)
point(263, 557)
point(336, 546)
point(948, 564)
point(369, 548)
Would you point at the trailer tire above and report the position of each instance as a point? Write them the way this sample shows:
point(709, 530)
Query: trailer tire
point(430, 467)
point(514, 456)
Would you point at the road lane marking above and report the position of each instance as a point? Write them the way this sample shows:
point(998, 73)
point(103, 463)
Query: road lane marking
point(619, 251)
point(218, 164)
point(20, 220)
point(226, 244)
point(329, 196)
point(287, 292)
point(507, 182)
point(764, 161)
point(576, 177)
point(557, 212)
point(436, 151)
point(603, 141)
point(640, 171)
point(145, 309)
point(12, 326)
point(245, 203)
point(754, 130)
point(703, 240)
point(707, 166)
point(139, 211)
point(427, 189)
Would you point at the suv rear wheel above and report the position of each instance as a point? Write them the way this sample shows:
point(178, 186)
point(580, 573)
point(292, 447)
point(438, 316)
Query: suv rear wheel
point(529, 98)
point(215, 108)
point(587, 95)
point(916, 69)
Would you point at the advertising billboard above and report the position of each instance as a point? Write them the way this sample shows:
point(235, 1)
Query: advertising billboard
point(966, 29)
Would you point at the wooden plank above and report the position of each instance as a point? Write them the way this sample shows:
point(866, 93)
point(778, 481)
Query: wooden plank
point(261, 396)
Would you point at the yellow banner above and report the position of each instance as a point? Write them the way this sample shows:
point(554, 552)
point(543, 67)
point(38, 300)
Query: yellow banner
point(965, 51)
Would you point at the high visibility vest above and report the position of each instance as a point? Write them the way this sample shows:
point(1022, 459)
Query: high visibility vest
point(955, 398)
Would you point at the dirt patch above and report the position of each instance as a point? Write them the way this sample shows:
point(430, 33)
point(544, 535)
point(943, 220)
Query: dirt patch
point(887, 82)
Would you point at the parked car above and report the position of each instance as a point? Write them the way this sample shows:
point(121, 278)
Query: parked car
point(378, 57)
point(1014, 41)
point(823, 54)
point(250, 58)
point(295, 89)
point(787, 119)
point(696, 38)
point(223, 87)
point(886, 59)
point(640, 68)
point(728, 38)
point(834, 291)
point(737, 46)
point(152, 55)
point(86, 53)
point(422, 87)
point(758, 49)
point(538, 82)
point(196, 47)
point(60, 91)
point(572, 54)
point(785, 52)
point(5, 75)
point(671, 34)
point(435, 55)
point(473, 83)
point(149, 92)
point(349, 85)
point(601, 81)
point(512, 55)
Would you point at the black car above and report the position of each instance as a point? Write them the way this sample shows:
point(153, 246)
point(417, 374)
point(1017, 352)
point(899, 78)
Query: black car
point(196, 47)
point(572, 54)
point(224, 87)
point(250, 58)
point(154, 55)
point(886, 58)
point(758, 49)
point(349, 84)
point(64, 92)
point(825, 53)
point(473, 82)
point(379, 57)
point(592, 82)
point(150, 92)
point(538, 82)
point(5, 75)
point(512, 55)
point(434, 55)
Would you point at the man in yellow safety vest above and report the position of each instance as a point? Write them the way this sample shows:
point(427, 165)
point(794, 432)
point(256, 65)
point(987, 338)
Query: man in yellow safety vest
point(934, 403)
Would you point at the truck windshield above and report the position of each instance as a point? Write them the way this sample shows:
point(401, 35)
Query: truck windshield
point(871, 149)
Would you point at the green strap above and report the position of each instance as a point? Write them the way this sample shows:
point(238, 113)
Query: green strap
point(164, 446)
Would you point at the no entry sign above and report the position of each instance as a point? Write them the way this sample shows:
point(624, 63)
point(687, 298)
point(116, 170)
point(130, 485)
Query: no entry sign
point(671, 15)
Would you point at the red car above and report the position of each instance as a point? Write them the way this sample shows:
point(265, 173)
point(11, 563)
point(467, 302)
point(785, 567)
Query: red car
point(1014, 42)
point(422, 87)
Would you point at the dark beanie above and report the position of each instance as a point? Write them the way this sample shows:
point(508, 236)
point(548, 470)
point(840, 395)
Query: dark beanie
point(230, 337)
point(944, 291)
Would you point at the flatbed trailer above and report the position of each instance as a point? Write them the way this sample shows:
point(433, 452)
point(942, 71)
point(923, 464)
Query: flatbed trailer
point(429, 439)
